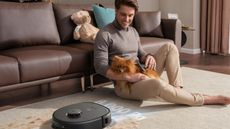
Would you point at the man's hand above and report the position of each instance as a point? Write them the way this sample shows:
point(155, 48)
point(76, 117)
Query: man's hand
point(135, 77)
point(150, 62)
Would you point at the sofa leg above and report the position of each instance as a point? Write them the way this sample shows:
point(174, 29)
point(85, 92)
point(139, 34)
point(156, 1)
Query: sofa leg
point(91, 82)
point(40, 90)
point(45, 89)
point(83, 84)
point(49, 89)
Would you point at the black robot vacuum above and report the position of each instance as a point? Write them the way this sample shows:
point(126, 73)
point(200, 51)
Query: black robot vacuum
point(85, 115)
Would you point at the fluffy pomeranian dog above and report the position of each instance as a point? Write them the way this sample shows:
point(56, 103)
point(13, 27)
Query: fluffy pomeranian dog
point(121, 65)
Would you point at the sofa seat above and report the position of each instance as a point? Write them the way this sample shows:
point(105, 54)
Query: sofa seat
point(9, 71)
point(152, 44)
point(40, 62)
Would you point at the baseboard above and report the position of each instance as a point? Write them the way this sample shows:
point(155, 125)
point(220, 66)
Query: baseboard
point(190, 51)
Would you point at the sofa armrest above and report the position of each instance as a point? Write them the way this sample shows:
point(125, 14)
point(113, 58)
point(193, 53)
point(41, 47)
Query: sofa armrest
point(172, 30)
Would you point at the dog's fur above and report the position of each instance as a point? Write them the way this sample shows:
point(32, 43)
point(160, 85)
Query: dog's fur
point(121, 65)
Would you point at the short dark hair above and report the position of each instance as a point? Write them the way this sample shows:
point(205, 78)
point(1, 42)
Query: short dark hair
point(130, 3)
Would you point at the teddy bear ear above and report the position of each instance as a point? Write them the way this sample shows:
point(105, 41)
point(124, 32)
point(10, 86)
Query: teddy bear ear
point(86, 12)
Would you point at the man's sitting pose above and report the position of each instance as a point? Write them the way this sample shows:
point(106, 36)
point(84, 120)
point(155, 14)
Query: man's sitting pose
point(119, 38)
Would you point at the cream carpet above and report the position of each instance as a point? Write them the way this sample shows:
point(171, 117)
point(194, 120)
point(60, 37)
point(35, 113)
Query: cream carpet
point(127, 114)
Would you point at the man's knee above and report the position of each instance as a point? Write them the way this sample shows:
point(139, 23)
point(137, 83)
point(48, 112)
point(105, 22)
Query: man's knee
point(171, 47)
point(150, 89)
point(155, 84)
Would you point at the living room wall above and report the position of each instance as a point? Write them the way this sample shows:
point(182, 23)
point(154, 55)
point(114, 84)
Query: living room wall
point(84, 1)
point(145, 5)
point(189, 13)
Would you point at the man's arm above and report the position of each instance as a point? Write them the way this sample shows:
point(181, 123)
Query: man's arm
point(125, 76)
point(101, 53)
point(149, 61)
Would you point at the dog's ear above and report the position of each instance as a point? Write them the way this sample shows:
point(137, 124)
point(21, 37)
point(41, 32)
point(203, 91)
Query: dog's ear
point(130, 61)
point(114, 59)
point(117, 58)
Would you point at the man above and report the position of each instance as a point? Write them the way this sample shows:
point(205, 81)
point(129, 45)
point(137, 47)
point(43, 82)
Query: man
point(119, 38)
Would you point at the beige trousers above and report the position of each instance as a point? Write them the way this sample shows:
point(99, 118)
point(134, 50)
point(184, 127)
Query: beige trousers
point(167, 58)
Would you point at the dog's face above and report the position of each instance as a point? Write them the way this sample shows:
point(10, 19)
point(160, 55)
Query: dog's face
point(122, 65)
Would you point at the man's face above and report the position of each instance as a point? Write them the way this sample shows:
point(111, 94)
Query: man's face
point(125, 15)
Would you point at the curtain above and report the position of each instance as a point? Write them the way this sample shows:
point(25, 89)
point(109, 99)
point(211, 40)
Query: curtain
point(214, 33)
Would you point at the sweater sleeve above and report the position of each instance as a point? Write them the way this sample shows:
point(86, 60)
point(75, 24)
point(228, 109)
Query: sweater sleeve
point(101, 58)
point(141, 51)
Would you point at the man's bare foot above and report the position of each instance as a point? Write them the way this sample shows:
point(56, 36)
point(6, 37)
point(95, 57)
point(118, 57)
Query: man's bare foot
point(216, 100)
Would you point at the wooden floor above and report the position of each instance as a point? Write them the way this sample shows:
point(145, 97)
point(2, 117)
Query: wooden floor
point(214, 63)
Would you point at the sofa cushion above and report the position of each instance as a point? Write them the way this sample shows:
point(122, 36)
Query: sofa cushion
point(9, 71)
point(41, 62)
point(65, 25)
point(152, 44)
point(148, 24)
point(103, 15)
point(24, 24)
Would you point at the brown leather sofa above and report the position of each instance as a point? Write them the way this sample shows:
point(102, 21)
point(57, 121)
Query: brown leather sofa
point(37, 46)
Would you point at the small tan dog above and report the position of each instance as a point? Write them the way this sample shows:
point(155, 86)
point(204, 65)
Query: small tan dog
point(121, 65)
point(84, 31)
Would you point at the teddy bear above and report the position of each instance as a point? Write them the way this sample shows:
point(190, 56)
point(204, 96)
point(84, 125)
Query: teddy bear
point(84, 31)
